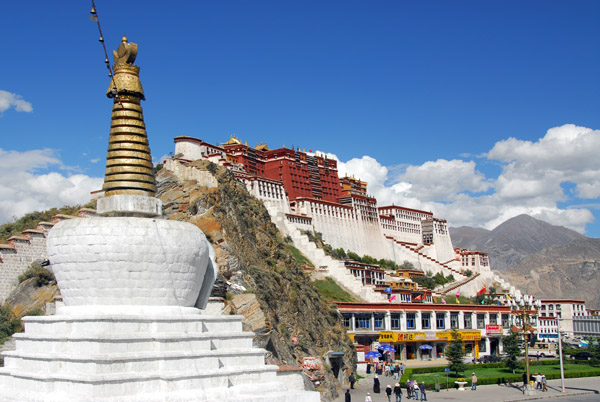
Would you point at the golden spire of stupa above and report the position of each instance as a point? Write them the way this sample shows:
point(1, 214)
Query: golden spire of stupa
point(129, 168)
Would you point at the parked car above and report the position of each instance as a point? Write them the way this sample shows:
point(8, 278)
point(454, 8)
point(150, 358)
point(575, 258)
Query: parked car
point(491, 359)
point(582, 356)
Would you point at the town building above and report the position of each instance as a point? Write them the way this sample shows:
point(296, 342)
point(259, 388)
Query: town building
point(413, 328)
point(566, 310)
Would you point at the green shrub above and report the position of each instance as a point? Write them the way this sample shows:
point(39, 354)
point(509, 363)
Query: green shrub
point(42, 275)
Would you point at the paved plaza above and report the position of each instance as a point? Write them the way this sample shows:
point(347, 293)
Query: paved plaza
point(581, 389)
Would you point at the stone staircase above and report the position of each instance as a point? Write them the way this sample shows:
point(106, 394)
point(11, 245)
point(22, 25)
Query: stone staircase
point(455, 285)
point(176, 355)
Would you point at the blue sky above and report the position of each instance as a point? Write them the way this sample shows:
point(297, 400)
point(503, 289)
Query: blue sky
point(478, 111)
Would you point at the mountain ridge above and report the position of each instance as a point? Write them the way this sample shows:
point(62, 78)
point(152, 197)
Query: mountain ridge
point(513, 240)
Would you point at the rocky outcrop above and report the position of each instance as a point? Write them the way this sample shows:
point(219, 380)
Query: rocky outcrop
point(252, 256)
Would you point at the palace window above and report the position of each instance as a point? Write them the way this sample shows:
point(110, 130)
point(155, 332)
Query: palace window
point(482, 348)
point(426, 320)
point(395, 320)
point(454, 320)
point(505, 322)
point(347, 320)
point(440, 320)
point(363, 321)
point(494, 319)
point(480, 321)
point(468, 320)
point(410, 320)
point(379, 321)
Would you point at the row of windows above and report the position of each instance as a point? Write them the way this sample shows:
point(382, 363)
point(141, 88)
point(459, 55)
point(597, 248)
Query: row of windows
point(363, 321)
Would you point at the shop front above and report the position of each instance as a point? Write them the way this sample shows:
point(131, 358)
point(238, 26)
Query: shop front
point(428, 345)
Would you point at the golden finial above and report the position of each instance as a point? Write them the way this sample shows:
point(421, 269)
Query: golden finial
point(129, 167)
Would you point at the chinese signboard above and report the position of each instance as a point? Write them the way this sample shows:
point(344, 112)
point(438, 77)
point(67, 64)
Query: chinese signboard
point(492, 329)
point(387, 337)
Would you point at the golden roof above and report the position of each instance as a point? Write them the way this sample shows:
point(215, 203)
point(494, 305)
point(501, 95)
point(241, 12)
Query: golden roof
point(262, 147)
point(233, 140)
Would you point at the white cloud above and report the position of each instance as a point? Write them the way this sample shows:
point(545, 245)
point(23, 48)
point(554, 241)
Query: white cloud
point(9, 100)
point(27, 186)
point(530, 182)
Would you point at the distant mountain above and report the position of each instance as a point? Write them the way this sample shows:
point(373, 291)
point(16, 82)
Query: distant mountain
point(562, 271)
point(466, 235)
point(513, 240)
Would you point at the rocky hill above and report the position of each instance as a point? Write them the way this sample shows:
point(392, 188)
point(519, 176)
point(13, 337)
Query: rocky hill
point(291, 318)
point(513, 240)
point(563, 271)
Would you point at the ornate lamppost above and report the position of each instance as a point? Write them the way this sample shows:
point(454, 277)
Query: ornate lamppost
point(525, 308)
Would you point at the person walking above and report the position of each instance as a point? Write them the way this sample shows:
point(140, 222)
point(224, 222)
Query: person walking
point(368, 398)
point(347, 396)
point(397, 372)
point(415, 385)
point(388, 370)
point(473, 382)
point(398, 392)
point(388, 393)
point(352, 380)
point(422, 388)
point(401, 369)
point(409, 389)
point(376, 385)
point(524, 380)
point(544, 383)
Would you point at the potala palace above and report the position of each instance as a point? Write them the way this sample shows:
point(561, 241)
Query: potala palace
point(303, 193)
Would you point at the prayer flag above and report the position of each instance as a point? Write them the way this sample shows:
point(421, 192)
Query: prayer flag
point(482, 301)
point(458, 293)
point(388, 290)
point(457, 301)
point(392, 298)
point(498, 302)
point(418, 298)
point(444, 301)
point(482, 291)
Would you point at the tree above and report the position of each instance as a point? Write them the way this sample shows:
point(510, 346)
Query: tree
point(456, 354)
point(512, 350)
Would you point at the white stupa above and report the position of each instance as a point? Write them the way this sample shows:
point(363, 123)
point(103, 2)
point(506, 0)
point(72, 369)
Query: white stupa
point(134, 285)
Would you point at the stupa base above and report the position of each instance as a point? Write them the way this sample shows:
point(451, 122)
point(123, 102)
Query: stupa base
point(106, 356)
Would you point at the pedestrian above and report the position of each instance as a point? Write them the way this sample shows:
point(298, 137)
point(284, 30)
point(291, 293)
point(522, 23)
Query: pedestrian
point(423, 394)
point(473, 382)
point(544, 383)
point(388, 392)
point(409, 389)
point(368, 398)
point(388, 371)
point(347, 396)
point(537, 355)
point(415, 385)
point(397, 372)
point(376, 385)
point(369, 368)
point(352, 380)
point(401, 369)
point(524, 379)
point(398, 392)
point(538, 381)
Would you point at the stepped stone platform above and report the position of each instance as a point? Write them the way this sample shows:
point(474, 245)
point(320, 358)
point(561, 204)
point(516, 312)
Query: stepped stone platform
point(157, 354)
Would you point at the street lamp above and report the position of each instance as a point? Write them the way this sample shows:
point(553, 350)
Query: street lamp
point(526, 308)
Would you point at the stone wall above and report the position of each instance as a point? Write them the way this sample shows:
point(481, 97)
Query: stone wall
point(20, 251)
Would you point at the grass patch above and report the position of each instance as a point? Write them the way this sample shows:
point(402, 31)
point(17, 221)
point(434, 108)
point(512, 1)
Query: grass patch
point(501, 375)
point(332, 291)
point(298, 256)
